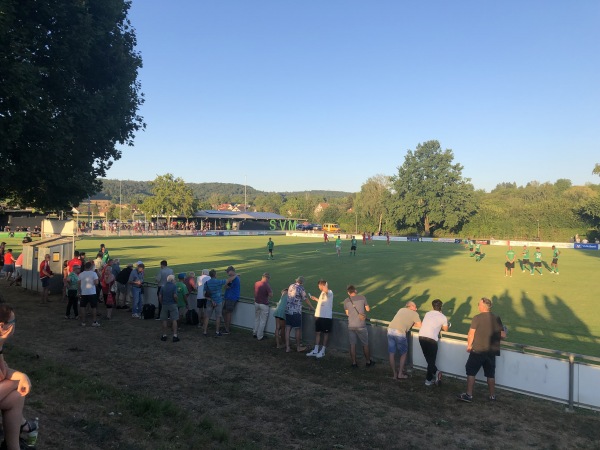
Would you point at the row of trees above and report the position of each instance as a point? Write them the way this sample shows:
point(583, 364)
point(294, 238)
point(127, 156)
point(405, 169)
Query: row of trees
point(428, 196)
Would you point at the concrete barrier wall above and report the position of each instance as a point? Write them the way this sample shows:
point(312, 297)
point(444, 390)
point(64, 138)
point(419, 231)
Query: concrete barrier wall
point(536, 375)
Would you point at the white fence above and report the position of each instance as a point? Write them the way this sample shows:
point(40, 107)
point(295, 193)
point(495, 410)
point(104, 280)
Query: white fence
point(537, 375)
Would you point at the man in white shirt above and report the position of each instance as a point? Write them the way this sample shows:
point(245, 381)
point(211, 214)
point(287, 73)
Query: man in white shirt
point(88, 281)
point(323, 318)
point(433, 322)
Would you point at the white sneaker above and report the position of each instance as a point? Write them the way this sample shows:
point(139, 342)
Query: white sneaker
point(429, 383)
point(320, 354)
point(95, 324)
point(313, 353)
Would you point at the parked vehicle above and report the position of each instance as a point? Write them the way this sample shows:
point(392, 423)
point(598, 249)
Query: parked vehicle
point(305, 226)
point(317, 227)
point(331, 227)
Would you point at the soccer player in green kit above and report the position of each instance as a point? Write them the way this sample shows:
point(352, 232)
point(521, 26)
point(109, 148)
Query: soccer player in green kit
point(554, 265)
point(353, 243)
point(537, 260)
point(477, 252)
point(525, 262)
point(270, 246)
point(509, 265)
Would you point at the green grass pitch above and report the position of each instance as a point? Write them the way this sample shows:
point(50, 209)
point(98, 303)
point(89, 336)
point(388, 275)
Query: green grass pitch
point(552, 311)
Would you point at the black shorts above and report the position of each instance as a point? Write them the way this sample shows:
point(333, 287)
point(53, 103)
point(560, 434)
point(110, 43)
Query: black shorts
point(526, 261)
point(478, 253)
point(353, 248)
point(202, 303)
point(554, 260)
point(91, 299)
point(537, 264)
point(509, 265)
point(323, 325)
point(478, 360)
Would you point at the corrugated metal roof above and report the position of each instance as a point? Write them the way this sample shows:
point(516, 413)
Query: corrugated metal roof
point(215, 214)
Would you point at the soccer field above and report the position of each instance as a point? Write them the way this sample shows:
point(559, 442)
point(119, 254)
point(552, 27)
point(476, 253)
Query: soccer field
point(552, 311)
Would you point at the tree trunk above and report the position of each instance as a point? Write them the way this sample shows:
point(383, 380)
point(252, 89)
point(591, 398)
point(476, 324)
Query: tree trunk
point(427, 227)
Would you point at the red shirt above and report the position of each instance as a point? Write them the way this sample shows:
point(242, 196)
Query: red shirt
point(8, 259)
point(45, 269)
point(73, 262)
point(262, 292)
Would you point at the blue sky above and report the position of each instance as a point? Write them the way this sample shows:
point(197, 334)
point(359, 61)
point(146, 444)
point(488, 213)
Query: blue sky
point(323, 94)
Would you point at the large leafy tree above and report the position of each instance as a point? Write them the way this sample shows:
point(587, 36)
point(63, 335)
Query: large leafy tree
point(430, 192)
point(68, 96)
point(373, 201)
point(171, 198)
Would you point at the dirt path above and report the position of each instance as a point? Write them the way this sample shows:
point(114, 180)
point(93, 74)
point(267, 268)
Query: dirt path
point(119, 386)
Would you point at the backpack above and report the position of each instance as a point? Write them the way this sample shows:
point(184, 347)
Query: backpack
point(191, 317)
point(148, 311)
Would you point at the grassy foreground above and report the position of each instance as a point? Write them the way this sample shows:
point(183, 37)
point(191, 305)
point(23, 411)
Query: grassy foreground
point(553, 311)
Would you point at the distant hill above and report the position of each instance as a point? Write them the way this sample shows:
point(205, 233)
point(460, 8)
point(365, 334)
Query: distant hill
point(203, 191)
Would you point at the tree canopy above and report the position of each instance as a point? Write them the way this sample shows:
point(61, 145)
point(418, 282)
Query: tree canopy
point(171, 198)
point(430, 192)
point(69, 95)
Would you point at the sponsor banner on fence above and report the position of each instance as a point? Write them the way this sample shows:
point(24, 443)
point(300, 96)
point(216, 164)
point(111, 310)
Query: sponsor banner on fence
point(447, 240)
point(426, 239)
point(586, 246)
point(413, 238)
point(482, 242)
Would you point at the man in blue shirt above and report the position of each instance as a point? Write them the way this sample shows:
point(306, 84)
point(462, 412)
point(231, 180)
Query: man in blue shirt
point(232, 295)
point(214, 301)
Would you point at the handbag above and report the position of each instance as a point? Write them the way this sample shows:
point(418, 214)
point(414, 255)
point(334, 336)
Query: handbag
point(361, 316)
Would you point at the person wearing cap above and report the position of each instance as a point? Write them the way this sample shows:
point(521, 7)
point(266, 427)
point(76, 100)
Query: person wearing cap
point(293, 313)
point(123, 286)
point(398, 328)
point(356, 308)
point(231, 297)
point(169, 310)
point(136, 281)
point(72, 286)
point(262, 295)
point(429, 334)
point(483, 345)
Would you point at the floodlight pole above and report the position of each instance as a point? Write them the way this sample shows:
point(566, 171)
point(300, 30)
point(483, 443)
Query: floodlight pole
point(120, 209)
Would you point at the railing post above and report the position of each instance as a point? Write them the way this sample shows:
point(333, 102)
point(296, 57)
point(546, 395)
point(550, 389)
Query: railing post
point(571, 382)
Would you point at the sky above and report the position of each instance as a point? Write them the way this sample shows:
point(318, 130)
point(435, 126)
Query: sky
point(287, 95)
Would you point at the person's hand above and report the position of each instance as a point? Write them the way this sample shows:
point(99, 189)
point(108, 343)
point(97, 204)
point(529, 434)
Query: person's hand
point(469, 349)
point(24, 385)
